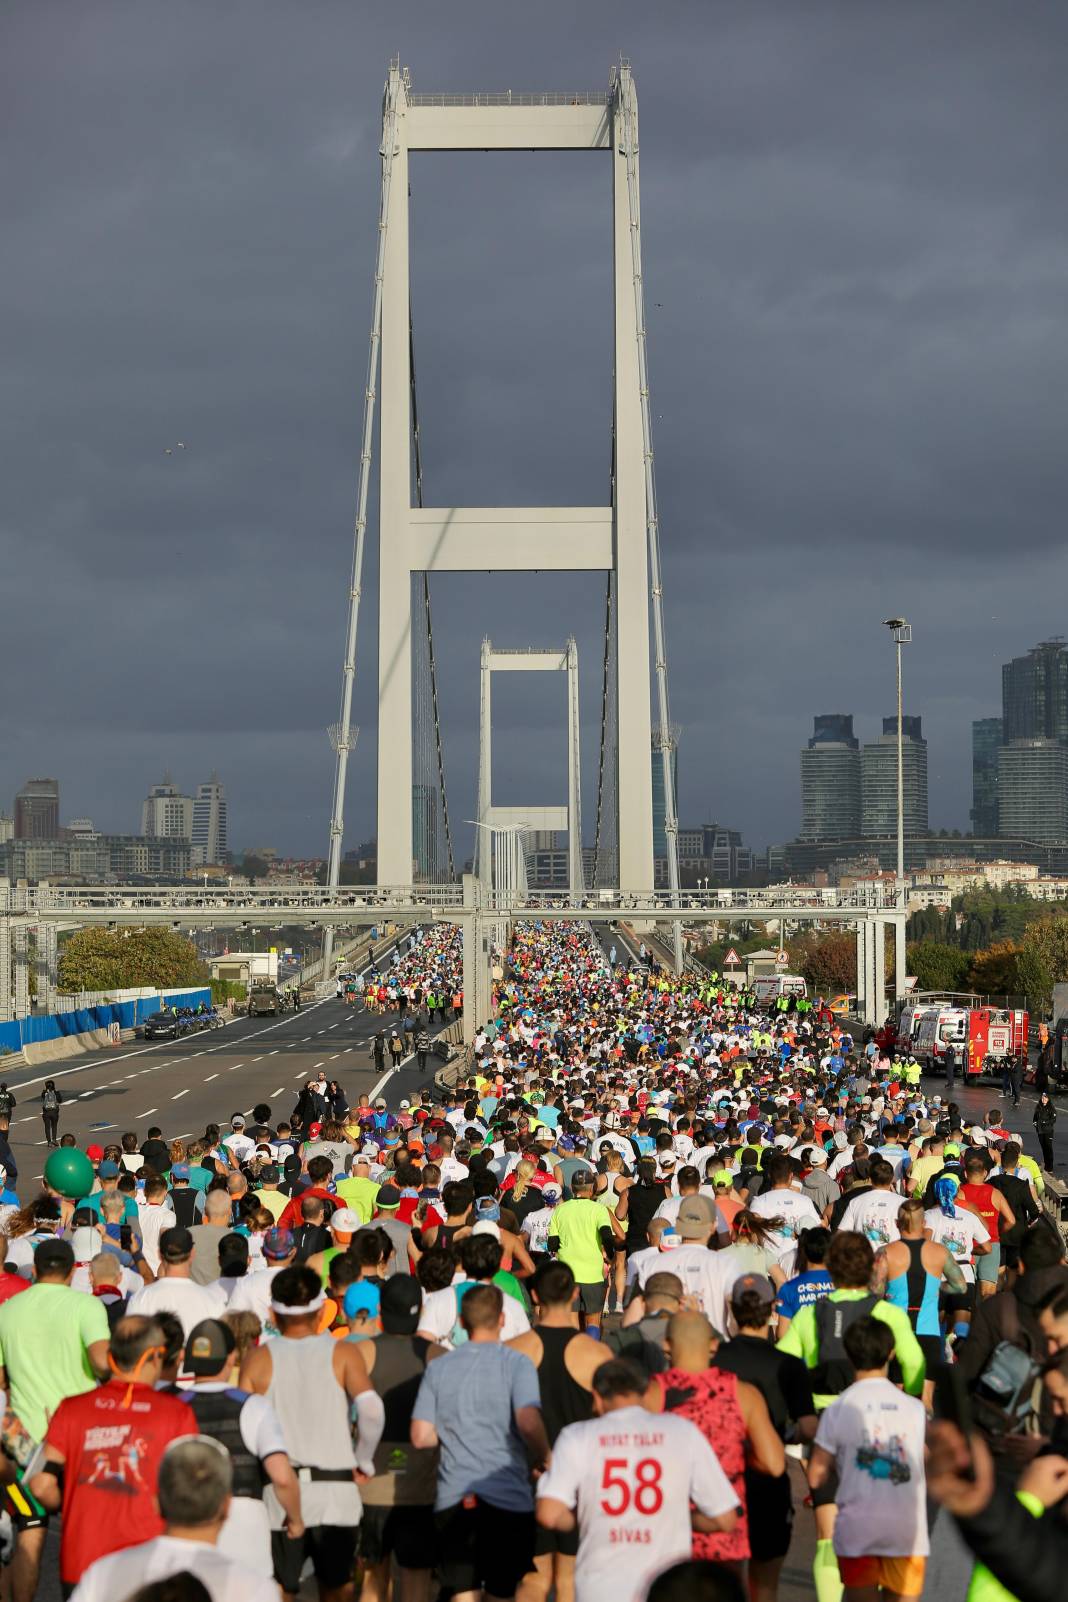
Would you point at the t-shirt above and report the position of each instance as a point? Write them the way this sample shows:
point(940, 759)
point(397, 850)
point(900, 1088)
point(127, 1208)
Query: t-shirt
point(802, 1291)
point(44, 1334)
point(189, 1302)
point(252, 1294)
point(359, 1194)
point(123, 1573)
point(112, 1446)
point(959, 1234)
point(631, 1477)
point(471, 1396)
point(578, 1224)
point(794, 1208)
point(91, 1204)
point(273, 1201)
point(874, 1215)
point(876, 1435)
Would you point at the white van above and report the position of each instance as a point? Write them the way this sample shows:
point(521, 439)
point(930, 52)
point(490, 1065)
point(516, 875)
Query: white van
point(770, 986)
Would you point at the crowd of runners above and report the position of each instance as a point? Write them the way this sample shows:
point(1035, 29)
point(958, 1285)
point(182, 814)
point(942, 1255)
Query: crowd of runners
point(661, 1277)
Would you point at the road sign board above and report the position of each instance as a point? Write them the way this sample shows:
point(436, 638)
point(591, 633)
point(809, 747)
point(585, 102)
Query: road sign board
point(732, 959)
point(781, 959)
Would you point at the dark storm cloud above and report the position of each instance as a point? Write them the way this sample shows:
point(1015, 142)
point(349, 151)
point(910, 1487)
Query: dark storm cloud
point(855, 255)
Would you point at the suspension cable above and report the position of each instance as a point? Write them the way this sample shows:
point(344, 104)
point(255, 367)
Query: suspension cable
point(426, 602)
point(342, 736)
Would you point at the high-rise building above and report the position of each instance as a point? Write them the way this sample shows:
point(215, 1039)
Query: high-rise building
point(659, 808)
point(7, 828)
point(986, 746)
point(830, 780)
point(166, 814)
point(878, 780)
point(1034, 694)
point(209, 823)
point(37, 810)
point(1033, 790)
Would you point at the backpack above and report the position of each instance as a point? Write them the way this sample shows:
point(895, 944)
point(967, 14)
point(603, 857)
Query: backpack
point(834, 1372)
point(50, 1101)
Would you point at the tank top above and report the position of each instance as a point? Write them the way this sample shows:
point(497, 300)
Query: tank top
point(710, 1400)
point(563, 1400)
point(405, 1475)
point(313, 1411)
point(609, 1197)
point(916, 1292)
point(981, 1198)
point(642, 1203)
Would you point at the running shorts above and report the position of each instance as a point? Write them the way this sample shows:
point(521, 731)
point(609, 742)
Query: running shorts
point(904, 1575)
point(986, 1268)
point(484, 1548)
point(405, 1533)
point(331, 1548)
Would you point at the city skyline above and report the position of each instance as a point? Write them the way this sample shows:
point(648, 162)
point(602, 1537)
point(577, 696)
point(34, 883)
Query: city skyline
point(251, 295)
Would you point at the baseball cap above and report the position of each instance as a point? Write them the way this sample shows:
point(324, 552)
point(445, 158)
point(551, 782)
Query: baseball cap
point(53, 1257)
point(315, 1129)
point(753, 1284)
point(400, 1305)
point(86, 1243)
point(180, 1171)
point(817, 1156)
point(94, 1153)
point(108, 1170)
point(175, 1245)
point(666, 1159)
point(237, 1122)
point(278, 1243)
point(696, 1217)
point(363, 1296)
point(388, 1197)
point(486, 1226)
point(209, 1345)
point(345, 1222)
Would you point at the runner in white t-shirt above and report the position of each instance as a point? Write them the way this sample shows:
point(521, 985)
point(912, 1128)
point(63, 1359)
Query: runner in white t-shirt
point(796, 1210)
point(627, 1479)
point(874, 1215)
point(963, 1233)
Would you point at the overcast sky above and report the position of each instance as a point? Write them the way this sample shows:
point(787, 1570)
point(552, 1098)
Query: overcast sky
point(856, 261)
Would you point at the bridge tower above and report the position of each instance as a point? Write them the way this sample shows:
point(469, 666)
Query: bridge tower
point(616, 538)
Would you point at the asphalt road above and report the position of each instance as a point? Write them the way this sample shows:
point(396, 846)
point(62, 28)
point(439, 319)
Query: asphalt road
point(203, 1078)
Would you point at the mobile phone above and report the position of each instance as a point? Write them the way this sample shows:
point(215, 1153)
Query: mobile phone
point(126, 1236)
point(953, 1403)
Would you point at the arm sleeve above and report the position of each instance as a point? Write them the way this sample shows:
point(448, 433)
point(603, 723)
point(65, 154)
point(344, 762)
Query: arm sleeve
point(800, 1338)
point(1027, 1555)
point(907, 1348)
point(370, 1412)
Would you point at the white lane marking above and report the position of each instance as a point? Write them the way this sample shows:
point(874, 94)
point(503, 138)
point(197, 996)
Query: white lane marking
point(210, 1077)
point(147, 1112)
point(279, 1091)
point(302, 1075)
point(124, 1056)
point(179, 1094)
point(335, 1057)
point(259, 1058)
point(320, 1064)
point(87, 1093)
point(131, 1076)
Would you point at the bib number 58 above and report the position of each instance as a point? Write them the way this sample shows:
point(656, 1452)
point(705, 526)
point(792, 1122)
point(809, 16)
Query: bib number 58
point(645, 1494)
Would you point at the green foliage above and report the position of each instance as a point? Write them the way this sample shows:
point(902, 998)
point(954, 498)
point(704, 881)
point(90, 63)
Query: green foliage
point(117, 959)
point(996, 971)
point(227, 990)
point(827, 961)
point(937, 966)
point(713, 954)
point(352, 873)
point(1043, 959)
point(253, 867)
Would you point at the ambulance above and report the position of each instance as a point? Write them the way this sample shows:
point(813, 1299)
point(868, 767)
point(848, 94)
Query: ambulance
point(983, 1036)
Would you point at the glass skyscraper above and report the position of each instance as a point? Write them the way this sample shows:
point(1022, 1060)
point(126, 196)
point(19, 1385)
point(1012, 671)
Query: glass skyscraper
point(986, 747)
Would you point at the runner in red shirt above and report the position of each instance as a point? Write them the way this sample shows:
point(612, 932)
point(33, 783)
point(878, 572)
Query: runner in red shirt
point(103, 1450)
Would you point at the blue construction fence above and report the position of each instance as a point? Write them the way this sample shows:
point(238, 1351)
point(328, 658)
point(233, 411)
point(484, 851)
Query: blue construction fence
point(127, 1014)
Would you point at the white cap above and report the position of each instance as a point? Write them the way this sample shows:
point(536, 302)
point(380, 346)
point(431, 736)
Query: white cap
point(486, 1226)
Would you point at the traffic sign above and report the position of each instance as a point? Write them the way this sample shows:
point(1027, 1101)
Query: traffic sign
point(732, 959)
point(781, 959)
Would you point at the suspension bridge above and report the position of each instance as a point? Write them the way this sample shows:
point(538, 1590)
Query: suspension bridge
point(418, 539)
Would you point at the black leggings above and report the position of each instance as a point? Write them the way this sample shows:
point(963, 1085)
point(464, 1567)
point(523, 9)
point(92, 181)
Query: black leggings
point(1046, 1142)
point(51, 1126)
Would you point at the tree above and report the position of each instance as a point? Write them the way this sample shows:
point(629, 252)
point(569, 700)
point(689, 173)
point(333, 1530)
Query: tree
point(254, 867)
point(937, 966)
point(120, 959)
point(1043, 959)
point(996, 971)
point(827, 961)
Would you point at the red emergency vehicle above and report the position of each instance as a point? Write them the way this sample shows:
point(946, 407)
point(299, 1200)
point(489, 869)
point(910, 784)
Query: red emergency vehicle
point(983, 1037)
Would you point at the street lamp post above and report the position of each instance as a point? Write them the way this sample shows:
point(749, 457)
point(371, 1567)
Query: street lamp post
point(901, 634)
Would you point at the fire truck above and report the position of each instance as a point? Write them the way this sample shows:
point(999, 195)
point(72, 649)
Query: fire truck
point(983, 1036)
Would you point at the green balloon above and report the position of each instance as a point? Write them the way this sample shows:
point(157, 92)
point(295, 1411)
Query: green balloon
point(70, 1172)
